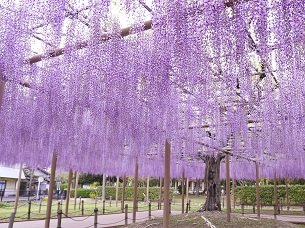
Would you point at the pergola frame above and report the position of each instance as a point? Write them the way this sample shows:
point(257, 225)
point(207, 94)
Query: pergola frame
point(125, 32)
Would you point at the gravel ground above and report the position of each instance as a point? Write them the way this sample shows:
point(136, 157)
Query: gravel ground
point(218, 219)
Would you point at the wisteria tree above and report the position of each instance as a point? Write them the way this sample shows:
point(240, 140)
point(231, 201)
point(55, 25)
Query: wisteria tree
point(118, 78)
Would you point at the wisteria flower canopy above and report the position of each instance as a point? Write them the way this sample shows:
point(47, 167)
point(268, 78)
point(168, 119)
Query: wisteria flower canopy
point(205, 75)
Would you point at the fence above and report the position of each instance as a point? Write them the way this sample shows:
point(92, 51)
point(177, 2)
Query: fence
point(9, 194)
point(28, 211)
point(36, 209)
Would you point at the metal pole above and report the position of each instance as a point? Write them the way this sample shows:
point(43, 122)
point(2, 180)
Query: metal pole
point(50, 195)
point(95, 217)
point(166, 208)
point(29, 210)
point(149, 211)
point(82, 207)
point(275, 196)
point(257, 191)
point(68, 191)
point(182, 189)
point(103, 206)
point(117, 190)
point(58, 206)
point(104, 187)
point(40, 202)
point(75, 191)
point(287, 196)
point(59, 216)
point(135, 191)
point(147, 190)
point(123, 193)
point(228, 187)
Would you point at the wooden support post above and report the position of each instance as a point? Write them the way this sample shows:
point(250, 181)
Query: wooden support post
point(117, 190)
point(233, 192)
point(12, 218)
point(18, 189)
point(166, 208)
point(123, 194)
point(2, 88)
point(50, 195)
point(182, 189)
point(76, 187)
point(126, 214)
point(287, 196)
point(187, 189)
point(104, 187)
point(257, 190)
point(160, 196)
point(275, 196)
point(68, 191)
point(135, 191)
point(228, 187)
point(147, 190)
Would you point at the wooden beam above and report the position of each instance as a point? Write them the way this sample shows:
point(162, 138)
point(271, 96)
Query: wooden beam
point(60, 51)
point(147, 25)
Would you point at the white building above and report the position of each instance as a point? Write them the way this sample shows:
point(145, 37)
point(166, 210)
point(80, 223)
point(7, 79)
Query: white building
point(8, 180)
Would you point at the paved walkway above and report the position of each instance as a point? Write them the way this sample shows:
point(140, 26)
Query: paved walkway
point(86, 222)
point(113, 220)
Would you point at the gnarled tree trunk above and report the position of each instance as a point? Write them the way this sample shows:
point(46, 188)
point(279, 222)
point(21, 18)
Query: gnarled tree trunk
point(212, 183)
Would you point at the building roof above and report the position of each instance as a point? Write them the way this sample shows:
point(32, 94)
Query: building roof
point(10, 172)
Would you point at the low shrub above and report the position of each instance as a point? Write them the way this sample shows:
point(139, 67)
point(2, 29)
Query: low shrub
point(247, 194)
point(154, 193)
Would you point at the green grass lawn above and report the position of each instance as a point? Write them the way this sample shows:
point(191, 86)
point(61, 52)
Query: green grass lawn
point(38, 212)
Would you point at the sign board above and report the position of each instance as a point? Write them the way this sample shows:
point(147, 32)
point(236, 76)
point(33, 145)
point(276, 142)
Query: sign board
point(40, 179)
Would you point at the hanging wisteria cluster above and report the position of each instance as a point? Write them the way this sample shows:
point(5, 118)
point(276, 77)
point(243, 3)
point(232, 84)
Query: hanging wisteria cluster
point(207, 75)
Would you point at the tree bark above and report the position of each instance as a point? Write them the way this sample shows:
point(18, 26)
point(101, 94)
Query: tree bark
point(212, 183)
